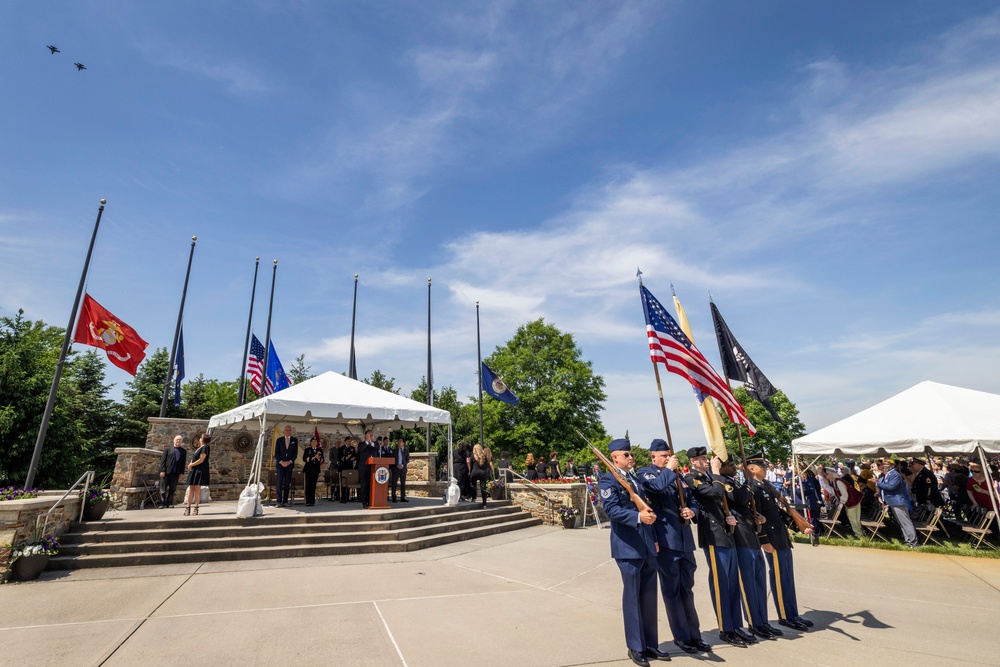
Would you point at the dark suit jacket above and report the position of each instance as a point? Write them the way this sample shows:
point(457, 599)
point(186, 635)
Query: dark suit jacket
point(286, 452)
point(167, 462)
point(406, 456)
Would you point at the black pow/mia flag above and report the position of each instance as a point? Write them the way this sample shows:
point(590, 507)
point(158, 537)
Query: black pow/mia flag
point(737, 365)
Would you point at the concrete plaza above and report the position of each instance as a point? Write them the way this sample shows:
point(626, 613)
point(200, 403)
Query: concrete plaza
point(540, 596)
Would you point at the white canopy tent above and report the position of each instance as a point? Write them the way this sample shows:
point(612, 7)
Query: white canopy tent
point(928, 418)
point(330, 398)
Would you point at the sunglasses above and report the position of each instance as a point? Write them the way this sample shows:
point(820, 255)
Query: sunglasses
point(628, 454)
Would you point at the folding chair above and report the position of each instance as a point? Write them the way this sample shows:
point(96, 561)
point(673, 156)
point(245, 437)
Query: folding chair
point(831, 522)
point(982, 530)
point(928, 528)
point(349, 479)
point(873, 527)
point(332, 479)
point(151, 488)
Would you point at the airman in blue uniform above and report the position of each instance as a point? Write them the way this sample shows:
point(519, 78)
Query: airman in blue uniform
point(675, 559)
point(633, 546)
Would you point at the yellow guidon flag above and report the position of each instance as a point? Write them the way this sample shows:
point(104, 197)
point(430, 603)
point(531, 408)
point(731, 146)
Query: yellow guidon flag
point(706, 405)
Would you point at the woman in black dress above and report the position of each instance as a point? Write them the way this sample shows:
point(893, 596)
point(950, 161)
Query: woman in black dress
point(480, 471)
point(198, 474)
point(313, 458)
point(460, 465)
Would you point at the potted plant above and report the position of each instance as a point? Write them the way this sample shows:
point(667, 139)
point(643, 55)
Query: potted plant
point(495, 488)
point(568, 516)
point(96, 502)
point(29, 559)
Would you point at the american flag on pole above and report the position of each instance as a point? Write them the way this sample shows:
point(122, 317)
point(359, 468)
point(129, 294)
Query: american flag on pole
point(255, 367)
point(669, 346)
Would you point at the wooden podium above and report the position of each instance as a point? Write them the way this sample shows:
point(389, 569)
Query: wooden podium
point(380, 472)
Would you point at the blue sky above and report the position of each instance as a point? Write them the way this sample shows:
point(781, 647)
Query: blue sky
point(827, 170)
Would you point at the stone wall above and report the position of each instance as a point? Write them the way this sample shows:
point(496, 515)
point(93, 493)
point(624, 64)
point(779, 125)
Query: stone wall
point(17, 520)
point(544, 500)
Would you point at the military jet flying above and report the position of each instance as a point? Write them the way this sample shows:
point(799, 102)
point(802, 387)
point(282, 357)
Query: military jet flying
point(79, 67)
point(53, 49)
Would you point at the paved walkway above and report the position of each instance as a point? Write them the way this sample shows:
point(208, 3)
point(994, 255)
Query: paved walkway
point(542, 596)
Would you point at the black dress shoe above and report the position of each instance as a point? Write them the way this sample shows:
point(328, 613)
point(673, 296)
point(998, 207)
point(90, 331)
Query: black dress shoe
point(804, 621)
point(745, 636)
point(773, 630)
point(762, 632)
point(700, 645)
point(403, 500)
point(732, 638)
point(793, 624)
point(656, 653)
point(686, 646)
point(638, 658)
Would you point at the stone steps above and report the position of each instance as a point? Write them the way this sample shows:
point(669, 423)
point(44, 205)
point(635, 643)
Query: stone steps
point(130, 543)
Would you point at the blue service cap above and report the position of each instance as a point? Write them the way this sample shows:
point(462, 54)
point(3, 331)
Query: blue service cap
point(620, 445)
point(659, 445)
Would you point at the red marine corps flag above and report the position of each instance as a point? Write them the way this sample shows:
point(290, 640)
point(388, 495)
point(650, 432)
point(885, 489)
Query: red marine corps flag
point(99, 328)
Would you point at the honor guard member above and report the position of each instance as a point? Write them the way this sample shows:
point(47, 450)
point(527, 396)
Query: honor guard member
point(776, 545)
point(750, 559)
point(715, 537)
point(675, 558)
point(633, 546)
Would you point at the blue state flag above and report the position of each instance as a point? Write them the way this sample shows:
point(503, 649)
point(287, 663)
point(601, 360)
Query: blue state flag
point(276, 378)
point(495, 387)
point(179, 369)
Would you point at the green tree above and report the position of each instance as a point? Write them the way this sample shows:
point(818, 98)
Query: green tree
point(299, 372)
point(558, 392)
point(462, 428)
point(94, 411)
point(202, 398)
point(382, 381)
point(141, 400)
point(29, 352)
point(775, 439)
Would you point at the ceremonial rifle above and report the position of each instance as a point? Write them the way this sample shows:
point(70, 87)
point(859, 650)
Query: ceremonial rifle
point(641, 504)
point(800, 521)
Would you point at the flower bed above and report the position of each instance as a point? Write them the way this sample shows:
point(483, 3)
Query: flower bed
point(18, 493)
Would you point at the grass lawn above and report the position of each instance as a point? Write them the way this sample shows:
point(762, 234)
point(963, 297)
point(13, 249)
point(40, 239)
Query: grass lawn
point(950, 548)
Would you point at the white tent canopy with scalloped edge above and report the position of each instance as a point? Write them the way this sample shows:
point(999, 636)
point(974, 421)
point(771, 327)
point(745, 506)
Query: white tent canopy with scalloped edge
point(332, 398)
point(926, 418)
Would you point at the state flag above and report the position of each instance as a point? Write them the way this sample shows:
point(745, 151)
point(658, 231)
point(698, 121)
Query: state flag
point(495, 387)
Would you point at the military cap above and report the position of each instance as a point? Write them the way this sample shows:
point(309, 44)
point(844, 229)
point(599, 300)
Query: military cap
point(620, 445)
point(695, 452)
point(920, 461)
point(659, 445)
point(756, 459)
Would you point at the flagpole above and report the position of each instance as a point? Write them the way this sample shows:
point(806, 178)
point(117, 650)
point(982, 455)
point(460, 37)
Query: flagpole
point(267, 343)
point(246, 345)
point(50, 404)
point(430, 377)
point(479, 356)
point(177, 333)
point(352, 365)
point(666, 423)
point(739, 432)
